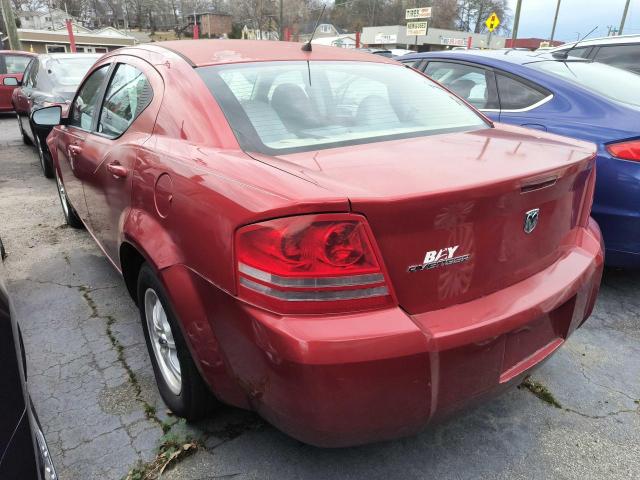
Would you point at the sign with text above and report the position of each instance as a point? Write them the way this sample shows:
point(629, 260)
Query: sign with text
point(458, 42)
point(385, 38)
point(416, 28)
point(415, 13)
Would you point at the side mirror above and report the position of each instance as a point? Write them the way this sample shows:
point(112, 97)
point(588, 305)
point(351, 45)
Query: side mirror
point(10, 82)
point(48, 116)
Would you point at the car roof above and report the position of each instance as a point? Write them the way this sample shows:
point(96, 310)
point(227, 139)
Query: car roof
point(17, 52)
point(216, 52)
point(516, 57)
point(52, 56)
point(619, 39)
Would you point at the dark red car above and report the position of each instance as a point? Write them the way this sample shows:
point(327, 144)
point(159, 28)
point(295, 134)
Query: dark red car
point(327, 237)
point(12, 66)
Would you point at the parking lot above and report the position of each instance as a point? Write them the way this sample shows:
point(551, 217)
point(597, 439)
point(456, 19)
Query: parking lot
point(93, 386)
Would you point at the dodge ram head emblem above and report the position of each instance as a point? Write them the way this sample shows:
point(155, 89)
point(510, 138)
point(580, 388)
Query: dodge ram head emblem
point(531, 220)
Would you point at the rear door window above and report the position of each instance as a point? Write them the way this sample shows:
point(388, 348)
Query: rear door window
point(621, 56)
point(517, 95)
point(474, 84)
point(581, 52)
point(128, 94)
point(85, 104)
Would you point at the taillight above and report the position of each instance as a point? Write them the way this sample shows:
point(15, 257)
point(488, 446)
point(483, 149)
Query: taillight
point(310, 264)
point(625, 150)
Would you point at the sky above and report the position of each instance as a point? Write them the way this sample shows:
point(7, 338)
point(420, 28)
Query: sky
point(576, 16)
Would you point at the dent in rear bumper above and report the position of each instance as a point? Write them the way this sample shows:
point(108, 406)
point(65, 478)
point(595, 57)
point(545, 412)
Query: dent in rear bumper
point(351, 379)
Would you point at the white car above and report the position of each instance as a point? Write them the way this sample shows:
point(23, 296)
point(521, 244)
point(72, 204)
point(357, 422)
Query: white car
point(622, 51)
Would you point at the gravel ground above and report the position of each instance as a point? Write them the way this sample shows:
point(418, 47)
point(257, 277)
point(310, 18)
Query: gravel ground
point(92, 383)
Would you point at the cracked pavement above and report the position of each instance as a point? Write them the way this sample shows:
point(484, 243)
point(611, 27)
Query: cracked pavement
point(93, 386)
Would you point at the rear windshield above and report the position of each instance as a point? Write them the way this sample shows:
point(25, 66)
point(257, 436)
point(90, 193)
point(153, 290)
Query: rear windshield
point(68, 72)
point(611, 82)
point(285, 107)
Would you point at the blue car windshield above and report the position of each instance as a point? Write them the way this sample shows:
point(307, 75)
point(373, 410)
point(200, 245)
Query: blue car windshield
point(611, 82)
point(286, 107)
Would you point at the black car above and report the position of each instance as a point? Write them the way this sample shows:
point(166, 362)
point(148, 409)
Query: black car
point(24, 454)
point(49, 79)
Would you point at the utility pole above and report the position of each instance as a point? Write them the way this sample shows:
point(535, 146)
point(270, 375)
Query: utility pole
point(10, 25)
point(555, 21)
point(281, 34)
point(624, 17)
point(516, 21)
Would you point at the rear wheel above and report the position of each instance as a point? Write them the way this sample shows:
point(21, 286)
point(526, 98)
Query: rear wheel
point(45, 158)
point(178, 379)
point(70, 215)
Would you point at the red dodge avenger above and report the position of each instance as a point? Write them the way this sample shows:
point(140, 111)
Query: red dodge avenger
point(326, 237)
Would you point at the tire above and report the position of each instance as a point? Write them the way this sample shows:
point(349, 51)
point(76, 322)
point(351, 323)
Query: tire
point(46, 162)
point(25, 139)
point(181, 386)
point(70, 214)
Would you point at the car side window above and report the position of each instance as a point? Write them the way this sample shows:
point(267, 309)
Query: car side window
point(84, 106)
point(471, 83)
point(516, 95)
point(581, 52)
point(16, 63)
point(621, 56)
point(128, 94)
point(30, 74)
point(413, 63)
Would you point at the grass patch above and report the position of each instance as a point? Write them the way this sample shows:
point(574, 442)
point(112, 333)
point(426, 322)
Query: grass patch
point(540, 391)
point(172, 449)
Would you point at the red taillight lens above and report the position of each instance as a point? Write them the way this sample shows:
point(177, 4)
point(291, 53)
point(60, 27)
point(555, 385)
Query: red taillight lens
point(310, 264)
point(625, 150)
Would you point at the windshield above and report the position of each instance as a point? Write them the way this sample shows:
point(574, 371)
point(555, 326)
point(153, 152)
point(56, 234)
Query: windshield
point(68, 72)
point(611, 82)
point(284, 107)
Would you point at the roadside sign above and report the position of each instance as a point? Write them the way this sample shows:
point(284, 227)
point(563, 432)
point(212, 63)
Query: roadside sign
point(415, 13)
point(416, 28)
point(385, 38)
point(457, 42)
point(492, 22)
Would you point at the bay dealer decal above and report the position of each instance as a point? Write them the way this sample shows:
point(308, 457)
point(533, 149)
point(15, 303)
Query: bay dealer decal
point(440, 258)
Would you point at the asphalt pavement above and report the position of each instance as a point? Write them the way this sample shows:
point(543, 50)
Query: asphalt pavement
point(93, 387)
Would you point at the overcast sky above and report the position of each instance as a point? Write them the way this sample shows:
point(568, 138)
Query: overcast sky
point(536, 17)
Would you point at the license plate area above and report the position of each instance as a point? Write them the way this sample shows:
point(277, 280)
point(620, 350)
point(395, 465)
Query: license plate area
point(532, 343)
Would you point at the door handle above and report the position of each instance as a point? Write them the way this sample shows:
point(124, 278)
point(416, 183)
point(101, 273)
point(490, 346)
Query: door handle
point(117, 170)
point(74, 149)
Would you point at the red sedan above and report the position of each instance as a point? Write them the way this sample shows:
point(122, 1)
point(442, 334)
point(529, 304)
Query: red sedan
point(12, 66)
point(327, 237)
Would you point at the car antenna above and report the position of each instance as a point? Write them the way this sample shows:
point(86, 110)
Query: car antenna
point(565, 53)
point(307, 46)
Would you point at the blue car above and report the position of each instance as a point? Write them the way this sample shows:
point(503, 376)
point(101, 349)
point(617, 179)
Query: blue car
point(567, 96)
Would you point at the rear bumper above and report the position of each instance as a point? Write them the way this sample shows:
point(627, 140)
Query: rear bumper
point(350, 379)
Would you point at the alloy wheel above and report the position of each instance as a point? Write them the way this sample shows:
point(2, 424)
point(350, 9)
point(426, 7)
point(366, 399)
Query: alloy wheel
point(162, 341)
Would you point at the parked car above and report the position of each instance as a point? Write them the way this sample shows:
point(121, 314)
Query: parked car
point(328, 238)
point(572, 97)
point(620, 51)
point(24, 453)
point(383, 52)
point(12, 65)
point(50, 79)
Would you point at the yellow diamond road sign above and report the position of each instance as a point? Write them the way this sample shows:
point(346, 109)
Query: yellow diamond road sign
point(492, 22)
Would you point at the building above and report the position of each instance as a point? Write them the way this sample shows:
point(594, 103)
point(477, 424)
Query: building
point(87, 41)
point(324, 30)
point(531, 43)
point(395, 36)
point(50, 19)
point(342, 41)
point(214, 25)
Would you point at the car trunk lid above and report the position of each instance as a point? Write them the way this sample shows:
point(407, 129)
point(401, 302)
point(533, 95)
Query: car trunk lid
point(459, 216)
